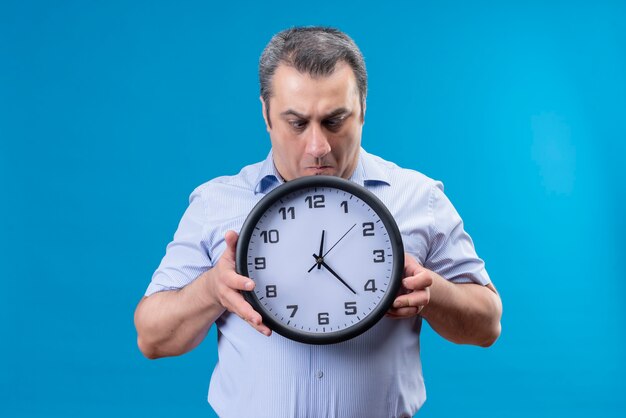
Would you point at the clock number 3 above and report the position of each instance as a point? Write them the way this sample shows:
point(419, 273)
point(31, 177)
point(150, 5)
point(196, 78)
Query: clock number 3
point(379, 256)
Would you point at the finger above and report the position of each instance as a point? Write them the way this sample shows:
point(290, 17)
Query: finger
point(403, 312)
point(419, 281)
point(413, 299)
point(236, 281)
point(411, 266)
point(236, 304)
point(231, 238)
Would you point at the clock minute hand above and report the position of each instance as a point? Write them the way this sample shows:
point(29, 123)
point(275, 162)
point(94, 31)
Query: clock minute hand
point(331, 271)
point(319, 265)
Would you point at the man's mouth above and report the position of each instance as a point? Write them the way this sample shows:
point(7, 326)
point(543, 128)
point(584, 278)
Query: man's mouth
point(320, 168)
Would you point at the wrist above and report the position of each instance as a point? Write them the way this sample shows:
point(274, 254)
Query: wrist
point(203, 293)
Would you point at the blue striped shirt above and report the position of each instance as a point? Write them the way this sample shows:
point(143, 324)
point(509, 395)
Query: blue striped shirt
point(377, 374)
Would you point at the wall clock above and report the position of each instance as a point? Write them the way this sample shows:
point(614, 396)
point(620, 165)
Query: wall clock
point(326, 256)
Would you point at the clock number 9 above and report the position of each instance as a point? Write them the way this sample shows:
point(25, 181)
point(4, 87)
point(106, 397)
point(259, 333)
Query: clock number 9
point(259, 263)
point(322, 318)
point(316, 201)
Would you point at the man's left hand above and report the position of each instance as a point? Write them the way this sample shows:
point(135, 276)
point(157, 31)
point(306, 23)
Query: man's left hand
point(415, 291)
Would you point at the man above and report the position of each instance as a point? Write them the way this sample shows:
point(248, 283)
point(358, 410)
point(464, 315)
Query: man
point(313, 90)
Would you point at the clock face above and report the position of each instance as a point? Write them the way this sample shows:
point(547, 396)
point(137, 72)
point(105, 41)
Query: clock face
point(326, 257)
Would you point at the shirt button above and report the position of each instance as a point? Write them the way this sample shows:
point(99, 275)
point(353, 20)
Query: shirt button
point(319, 374)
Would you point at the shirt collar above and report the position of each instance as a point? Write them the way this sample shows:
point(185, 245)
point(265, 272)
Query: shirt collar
point(367, 172)
point(269, 177)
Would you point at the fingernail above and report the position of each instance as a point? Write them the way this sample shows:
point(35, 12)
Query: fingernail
point(397, 304)
point(249, 285)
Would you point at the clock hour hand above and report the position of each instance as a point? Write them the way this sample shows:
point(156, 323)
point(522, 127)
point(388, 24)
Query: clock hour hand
point(320, 261)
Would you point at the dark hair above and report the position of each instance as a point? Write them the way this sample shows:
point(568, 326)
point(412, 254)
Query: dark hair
point(312, 50)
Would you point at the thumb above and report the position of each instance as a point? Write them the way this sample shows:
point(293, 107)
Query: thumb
point(231, 238)
point(411, 265)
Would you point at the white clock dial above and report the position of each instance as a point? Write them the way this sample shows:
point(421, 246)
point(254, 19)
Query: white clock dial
point(323, 261)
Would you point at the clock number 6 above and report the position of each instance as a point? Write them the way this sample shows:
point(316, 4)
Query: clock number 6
point(322, 318)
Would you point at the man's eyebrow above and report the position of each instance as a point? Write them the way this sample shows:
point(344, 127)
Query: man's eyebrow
point(338, 112)
point(291, 112)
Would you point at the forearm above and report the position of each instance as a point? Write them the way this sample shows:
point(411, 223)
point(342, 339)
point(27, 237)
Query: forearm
point(464, 313)
point(171, 323)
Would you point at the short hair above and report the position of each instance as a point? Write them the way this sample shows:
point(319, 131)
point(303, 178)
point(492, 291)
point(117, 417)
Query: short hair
point(313, 50)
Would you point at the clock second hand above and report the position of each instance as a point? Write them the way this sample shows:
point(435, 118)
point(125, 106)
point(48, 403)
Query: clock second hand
point(320, 260)
point(321, 257)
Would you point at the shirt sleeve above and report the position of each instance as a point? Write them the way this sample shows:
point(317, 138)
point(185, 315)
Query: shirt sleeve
point(186, 256)
point(452, 254)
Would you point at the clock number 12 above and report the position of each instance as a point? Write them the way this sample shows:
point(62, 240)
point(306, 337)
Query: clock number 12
point(315, 201)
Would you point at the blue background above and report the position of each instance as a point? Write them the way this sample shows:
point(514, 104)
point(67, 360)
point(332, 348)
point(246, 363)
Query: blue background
point(111, 113)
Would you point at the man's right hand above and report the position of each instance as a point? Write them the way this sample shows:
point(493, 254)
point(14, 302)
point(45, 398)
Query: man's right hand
point(224, 285)
point(171, 323)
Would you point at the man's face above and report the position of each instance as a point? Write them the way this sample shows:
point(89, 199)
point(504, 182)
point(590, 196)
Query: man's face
point(316, 123)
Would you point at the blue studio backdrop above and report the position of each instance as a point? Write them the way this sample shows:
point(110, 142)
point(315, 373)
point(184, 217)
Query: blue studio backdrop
point(111, 113)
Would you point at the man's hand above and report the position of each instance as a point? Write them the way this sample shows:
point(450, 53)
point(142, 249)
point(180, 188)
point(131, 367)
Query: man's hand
point(415, 291)
point(171, 323)
point(224, 285)
point(467, 313)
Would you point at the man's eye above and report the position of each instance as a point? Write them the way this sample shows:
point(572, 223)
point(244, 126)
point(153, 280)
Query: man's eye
point(333, 123)
point(298, 124)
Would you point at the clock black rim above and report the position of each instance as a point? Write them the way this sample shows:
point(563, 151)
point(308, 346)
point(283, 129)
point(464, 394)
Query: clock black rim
point(395, 240)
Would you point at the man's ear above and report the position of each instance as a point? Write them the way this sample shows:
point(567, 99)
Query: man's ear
point(363, 112)
point(266, 116)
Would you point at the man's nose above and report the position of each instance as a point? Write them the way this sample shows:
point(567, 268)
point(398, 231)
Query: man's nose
point(317, 143)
